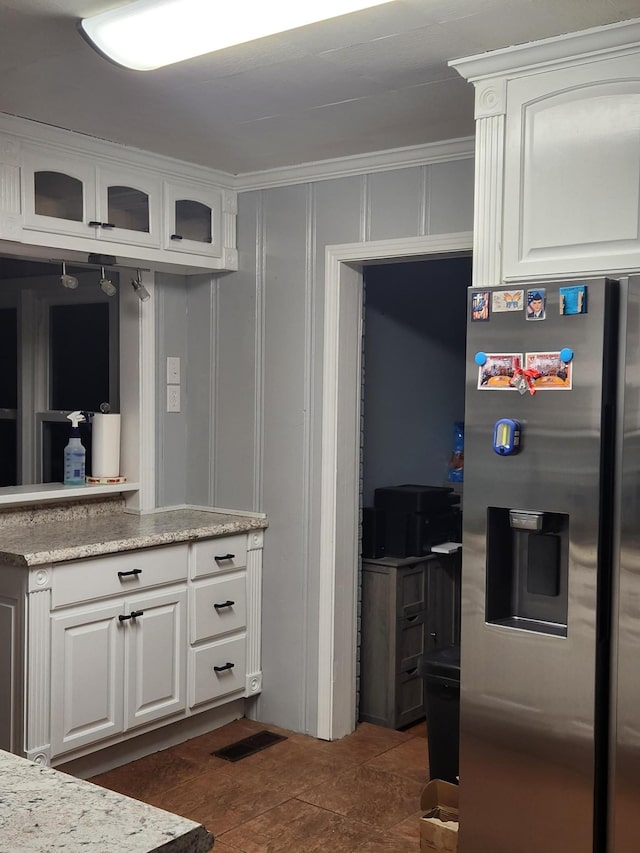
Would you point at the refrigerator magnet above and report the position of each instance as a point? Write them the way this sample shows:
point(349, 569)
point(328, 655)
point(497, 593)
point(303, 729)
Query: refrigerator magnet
point(504, 301)
point(554, 373)
point(480, 305)
point(536, 304)
point(498, 370)
point(573, 300)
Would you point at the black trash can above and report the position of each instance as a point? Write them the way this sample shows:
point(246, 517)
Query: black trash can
point(440, 670)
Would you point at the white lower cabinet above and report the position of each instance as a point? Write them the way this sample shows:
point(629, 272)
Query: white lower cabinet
point(87, 685)
point(121, 644)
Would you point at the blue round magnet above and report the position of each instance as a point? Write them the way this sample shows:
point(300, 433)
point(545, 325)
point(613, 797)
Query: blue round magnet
point(480, 358)
point(566, 355)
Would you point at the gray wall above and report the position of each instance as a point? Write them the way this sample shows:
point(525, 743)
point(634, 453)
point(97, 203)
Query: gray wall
point(414, 370)
point(254, 343)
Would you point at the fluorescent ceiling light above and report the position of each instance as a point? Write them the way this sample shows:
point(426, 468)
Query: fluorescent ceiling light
point(148, 34)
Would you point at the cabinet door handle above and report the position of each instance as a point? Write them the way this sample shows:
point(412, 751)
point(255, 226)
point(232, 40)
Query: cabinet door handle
point(222, 668)
point(224, 557)
point(433, 634)
point(131, 573)
point(94, 224)
point(132, 615)
point(176, 236)
point(107, 225)
point(224, 604)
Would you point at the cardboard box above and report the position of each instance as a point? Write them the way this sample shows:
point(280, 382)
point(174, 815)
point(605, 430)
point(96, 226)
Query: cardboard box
point(439, 824)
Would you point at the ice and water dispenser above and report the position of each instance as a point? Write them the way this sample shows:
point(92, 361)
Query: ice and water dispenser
point(527, 569)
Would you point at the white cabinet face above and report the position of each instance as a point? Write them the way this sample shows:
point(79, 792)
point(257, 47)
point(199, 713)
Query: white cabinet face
point(71, 195)
point(129, 207)
point(58, 193)
point(572, 170)
point(155, 657)
point(218, 607)
point(193, 219)
point(86, 676)
point(218, 669)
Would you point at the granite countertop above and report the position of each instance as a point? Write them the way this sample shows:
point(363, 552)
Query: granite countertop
point(43, 810)
point(35, 540)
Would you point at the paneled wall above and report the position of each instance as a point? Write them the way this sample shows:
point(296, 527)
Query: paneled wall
point(255, 337)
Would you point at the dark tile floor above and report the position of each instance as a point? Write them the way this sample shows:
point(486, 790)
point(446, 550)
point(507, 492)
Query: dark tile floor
point(361, 793)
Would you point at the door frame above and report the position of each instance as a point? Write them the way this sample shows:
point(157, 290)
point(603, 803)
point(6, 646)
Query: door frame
point(340, 472)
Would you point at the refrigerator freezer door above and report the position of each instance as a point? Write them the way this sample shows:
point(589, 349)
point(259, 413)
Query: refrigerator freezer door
point(624, 824)
point(529, 638)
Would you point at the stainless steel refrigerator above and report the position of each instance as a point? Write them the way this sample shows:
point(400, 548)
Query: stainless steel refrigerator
point(550, 671)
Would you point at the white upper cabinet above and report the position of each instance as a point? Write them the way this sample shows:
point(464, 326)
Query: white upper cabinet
point(68, 192)
point(193, 219)
point(572, 170)
point(557, 181)
point(71, 195)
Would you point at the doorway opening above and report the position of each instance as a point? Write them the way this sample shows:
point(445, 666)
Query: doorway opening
point(413, 380)
point(341, 474)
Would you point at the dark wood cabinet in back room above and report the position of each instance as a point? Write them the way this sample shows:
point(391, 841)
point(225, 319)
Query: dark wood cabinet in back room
point(410, 606)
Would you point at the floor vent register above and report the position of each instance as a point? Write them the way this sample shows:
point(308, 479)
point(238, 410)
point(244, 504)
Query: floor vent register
point(248, 746)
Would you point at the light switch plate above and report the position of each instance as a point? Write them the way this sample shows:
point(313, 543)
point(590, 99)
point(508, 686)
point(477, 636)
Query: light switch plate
point(173, 370)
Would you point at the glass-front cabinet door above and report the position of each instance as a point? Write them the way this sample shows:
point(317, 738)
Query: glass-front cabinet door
point(129, 207)
point(71, 195)
point(193, 219)
point(58, 193)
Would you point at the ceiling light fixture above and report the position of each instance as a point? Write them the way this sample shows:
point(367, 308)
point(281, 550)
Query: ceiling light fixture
point(106, 284)
point(140, 290)
point(149, 34)
point(69, 281)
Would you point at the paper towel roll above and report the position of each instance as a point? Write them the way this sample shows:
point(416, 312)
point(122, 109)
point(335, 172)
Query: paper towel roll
point(105, 446)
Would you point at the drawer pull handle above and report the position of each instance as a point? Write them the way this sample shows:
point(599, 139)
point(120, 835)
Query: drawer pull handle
point(107, 225)
point(223, 668)
point(412, 671)
point(94, 224)
point(224, 557)
point(132, 573)
point(176, 236)
point(224, 604)
point(412, 618)
point(122, 618)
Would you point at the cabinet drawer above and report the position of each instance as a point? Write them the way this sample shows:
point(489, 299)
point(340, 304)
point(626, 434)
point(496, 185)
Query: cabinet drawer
point(218, 669)
point(224, 554)
point(117, 574)
point(410, 642)
point(218, 607)
point(411, 590)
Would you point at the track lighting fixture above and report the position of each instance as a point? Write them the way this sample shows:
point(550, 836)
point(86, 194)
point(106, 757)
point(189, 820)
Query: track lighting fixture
point(106, 284)
point(69, 281)
point(140, 290)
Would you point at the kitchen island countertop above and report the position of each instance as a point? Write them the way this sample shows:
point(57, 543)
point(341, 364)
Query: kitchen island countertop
point(43, 810)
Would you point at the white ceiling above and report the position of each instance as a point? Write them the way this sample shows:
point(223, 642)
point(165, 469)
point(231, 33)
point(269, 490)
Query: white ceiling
point(368, 81)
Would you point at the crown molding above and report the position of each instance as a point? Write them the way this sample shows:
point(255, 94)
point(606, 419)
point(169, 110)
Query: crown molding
point(620, 37)
point(321, 170)
point(358, 164)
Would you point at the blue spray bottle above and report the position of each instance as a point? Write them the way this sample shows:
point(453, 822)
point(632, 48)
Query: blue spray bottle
point(74, 453)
